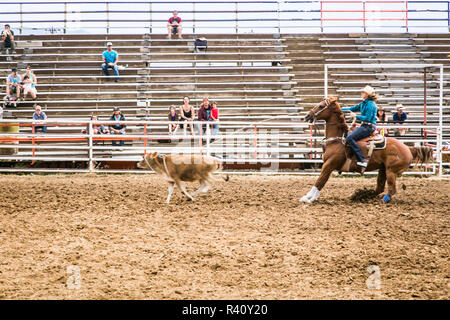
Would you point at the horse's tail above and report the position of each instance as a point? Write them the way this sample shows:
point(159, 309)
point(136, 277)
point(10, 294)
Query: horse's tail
point(422, 154)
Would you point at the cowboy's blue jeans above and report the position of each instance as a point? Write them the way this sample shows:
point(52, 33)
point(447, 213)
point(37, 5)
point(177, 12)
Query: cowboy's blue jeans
point(359, 133)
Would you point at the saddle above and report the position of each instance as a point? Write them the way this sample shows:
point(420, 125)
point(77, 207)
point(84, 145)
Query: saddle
point(374, 141)
point(367, 145)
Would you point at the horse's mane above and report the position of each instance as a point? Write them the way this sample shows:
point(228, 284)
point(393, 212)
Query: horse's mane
point(336, 108)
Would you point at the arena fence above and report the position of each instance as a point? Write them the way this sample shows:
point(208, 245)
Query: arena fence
point(227, 16)
point(268, 143)
point(444, 168)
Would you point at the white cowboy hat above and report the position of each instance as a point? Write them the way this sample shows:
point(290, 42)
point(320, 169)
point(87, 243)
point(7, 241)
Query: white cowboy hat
point(368, 89)
point(400, 107)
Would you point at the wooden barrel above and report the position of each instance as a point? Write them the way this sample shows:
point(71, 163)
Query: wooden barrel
point(11, 128)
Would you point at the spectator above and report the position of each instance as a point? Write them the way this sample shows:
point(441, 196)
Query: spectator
point(381, 117)
point(214, 116)
point(174, 26)
point(187, 113)
point(8, 39)
point(203, 115)
point(110, 59)
point(96, 128)
point(29, 84)
point(40, 116)
point(13, 84)
point(117, 128)
point(399, 118)
point(173, 116)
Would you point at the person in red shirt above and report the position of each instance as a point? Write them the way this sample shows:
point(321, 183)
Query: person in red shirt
point(174, 26)
point(214, 116)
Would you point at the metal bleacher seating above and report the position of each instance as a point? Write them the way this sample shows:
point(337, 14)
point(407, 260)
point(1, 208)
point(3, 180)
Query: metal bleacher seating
point(248, 75)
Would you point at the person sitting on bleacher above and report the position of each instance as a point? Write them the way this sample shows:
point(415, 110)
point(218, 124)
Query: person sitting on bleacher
point(8, 39)
point(174, 26)
point(173, 116)
point(399, 118)
point(41, 117)
point(187, 113)
point(381, 117)
point(29, 81)
point(203, 115)
point(214, 116)
point(13, 84)
point(117, 128)
point(96, 128)
point(110, 59)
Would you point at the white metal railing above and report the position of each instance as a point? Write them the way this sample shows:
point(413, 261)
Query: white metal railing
point(270, 143)
point(228, 16)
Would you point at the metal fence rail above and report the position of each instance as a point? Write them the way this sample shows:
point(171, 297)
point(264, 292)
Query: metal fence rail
point(228, 16)
point(268, 143)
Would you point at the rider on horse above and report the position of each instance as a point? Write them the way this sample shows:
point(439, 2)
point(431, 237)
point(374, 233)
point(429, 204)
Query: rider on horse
point(368, 117)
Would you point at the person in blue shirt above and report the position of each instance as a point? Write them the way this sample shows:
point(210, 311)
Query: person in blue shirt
point(399, 118)
point(118, 128)
point(41, 117)
point(368, 117)
point(110, 59)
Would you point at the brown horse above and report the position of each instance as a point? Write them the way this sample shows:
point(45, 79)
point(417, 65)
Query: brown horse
point(391, 161)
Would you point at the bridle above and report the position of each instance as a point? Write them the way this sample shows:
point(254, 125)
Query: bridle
point(327, 104)
point(327, 140)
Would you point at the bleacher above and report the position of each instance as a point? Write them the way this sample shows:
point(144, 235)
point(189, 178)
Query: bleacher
point(236, 71)
point(248, 75)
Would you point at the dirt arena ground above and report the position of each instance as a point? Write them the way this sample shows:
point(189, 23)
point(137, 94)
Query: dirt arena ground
point(249, 239)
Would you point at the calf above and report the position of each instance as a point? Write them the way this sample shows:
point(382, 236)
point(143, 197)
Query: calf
point(183, 168)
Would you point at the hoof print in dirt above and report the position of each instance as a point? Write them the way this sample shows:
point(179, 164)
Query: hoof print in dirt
point(363, 195)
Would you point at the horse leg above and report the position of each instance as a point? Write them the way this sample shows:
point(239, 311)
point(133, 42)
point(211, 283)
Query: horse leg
point(314, 193)
point(381, 180)
point(391, 179)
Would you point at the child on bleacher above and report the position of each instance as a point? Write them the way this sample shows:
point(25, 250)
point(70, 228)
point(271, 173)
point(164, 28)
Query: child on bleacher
point(214, 116)
point(97, 128)
point(173, 116)
point(29, 81)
